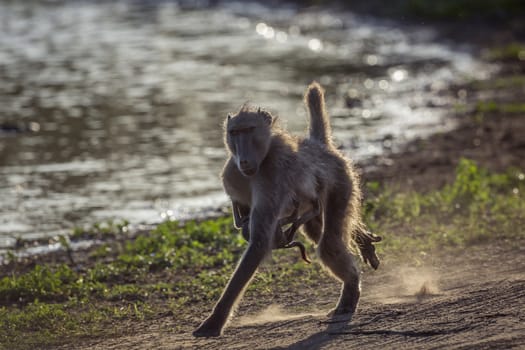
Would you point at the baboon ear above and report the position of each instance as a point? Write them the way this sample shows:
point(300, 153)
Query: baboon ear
point(268, 119)
point(229, 116)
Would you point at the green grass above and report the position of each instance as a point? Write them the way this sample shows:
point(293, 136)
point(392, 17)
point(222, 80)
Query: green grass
point(512, 51)
point(477, 207)
point(176, 267)
point(100, 230)
point(494, 107)
point(515, 81)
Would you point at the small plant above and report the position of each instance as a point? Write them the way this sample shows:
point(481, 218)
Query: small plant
point(512, 51)
point(465, 212)
point(41, 283)
point(507, 108)
point(100, 230)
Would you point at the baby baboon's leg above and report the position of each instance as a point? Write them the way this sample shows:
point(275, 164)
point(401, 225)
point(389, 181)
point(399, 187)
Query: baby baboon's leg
point(292, 217)
point(309, 215)
point(314, 228)
point(336, 255)
point(241, 218)
point(262, 224)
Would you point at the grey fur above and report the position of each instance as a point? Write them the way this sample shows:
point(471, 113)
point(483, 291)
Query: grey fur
point(267, 172)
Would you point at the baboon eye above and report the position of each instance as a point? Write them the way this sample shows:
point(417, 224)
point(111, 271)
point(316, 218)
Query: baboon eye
point(235, 132)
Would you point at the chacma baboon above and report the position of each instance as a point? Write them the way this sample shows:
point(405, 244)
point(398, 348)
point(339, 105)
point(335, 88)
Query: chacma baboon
point(267, 172)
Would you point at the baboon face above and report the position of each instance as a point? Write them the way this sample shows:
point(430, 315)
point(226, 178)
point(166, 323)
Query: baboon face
point(248, 136)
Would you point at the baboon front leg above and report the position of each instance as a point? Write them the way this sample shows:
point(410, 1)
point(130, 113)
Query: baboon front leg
point(262, 225)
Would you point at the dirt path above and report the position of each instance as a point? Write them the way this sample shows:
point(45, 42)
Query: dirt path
point(472, 301)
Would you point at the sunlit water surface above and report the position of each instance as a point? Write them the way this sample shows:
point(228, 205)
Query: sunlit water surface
point(115, 109)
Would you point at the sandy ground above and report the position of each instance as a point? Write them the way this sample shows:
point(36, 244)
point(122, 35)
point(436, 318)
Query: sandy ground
point(472, 301)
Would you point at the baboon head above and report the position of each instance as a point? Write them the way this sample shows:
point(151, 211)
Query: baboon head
point(248, 136)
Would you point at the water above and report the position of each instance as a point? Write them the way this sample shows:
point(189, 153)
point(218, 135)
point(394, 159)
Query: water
point(114, 109)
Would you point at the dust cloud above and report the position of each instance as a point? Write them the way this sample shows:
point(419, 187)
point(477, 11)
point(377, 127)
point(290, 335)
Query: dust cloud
point(419, 282)
point(273, 313)
point(407, 283)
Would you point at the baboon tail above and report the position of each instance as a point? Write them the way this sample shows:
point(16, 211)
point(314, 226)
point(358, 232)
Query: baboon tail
point(319, 123)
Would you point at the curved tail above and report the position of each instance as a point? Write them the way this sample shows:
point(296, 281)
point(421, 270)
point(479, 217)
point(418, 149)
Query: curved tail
point(319, 128)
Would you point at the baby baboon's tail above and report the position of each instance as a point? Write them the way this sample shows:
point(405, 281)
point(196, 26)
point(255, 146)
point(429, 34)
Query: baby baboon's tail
point(319, 123)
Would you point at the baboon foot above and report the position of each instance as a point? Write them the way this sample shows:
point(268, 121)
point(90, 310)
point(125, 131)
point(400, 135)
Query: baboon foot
point(208, 328)
point(342, 311)
point(348, 301)
point(339, 315)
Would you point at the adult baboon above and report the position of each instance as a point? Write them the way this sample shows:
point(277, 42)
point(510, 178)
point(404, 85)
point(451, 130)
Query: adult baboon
point(267, 172)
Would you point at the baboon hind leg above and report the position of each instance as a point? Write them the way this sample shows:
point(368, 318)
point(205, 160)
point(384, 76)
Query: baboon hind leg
point(336, 256)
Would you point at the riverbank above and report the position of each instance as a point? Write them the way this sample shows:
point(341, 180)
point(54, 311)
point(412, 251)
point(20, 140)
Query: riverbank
point(449, 207)
point(489, 131)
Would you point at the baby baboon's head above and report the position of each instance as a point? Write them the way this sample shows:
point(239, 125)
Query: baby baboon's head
point(248, 136)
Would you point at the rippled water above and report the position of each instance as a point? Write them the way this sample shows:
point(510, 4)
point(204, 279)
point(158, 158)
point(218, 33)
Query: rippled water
point(114, 109)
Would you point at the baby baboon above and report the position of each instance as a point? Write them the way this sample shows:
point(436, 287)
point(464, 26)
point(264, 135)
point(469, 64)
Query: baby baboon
point(267, 172)
point(281, 239)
